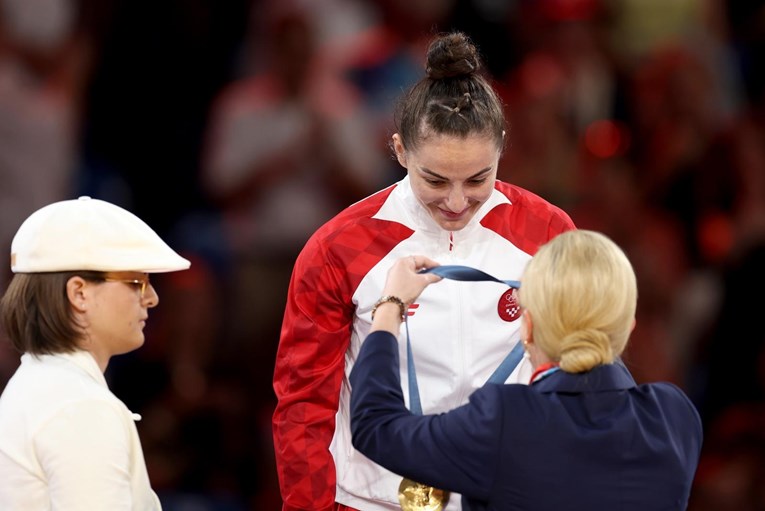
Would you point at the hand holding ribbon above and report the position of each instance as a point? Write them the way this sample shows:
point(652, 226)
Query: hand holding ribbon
point(405, 279)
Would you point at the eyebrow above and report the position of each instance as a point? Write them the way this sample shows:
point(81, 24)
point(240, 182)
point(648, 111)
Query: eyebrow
point(436, 175)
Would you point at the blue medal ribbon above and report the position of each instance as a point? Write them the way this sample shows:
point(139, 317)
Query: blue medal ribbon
point(468, 274)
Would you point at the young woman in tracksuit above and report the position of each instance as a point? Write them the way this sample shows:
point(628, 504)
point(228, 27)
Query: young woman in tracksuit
point(450, 133)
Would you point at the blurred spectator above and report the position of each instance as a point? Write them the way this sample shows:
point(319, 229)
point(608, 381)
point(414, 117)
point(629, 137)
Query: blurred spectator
point(731, 474)
point(543, 152)
point(564, 83)
point(610, 202)
point(286, 148)
point(44, 66)
point(730, 389)
point(677, 113)
point(45, 62)
point(735, 376)
point(158, 66)
point(387, 57)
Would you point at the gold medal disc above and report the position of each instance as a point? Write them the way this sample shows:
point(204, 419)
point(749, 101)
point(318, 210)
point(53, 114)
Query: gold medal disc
point(418, 497)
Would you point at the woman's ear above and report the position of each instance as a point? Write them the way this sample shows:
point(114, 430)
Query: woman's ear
point(527, 327)
point(398, 148)
point(75, 292)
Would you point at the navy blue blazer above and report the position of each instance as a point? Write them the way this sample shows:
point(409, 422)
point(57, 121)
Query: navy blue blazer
point(588, 441)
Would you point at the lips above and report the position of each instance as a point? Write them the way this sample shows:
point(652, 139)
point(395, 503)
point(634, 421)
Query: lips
point(453, 216)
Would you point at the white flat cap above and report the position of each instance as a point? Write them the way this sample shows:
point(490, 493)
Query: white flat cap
point(90, 234)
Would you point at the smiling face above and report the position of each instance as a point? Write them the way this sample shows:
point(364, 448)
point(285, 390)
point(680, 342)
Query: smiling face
point(451, 176)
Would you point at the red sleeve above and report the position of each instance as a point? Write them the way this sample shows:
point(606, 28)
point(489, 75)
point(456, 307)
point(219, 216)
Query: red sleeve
point(309, 369)
point(316, 332)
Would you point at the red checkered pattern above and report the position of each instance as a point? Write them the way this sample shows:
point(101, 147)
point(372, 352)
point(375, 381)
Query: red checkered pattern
point(314, 338)
point(529, 222)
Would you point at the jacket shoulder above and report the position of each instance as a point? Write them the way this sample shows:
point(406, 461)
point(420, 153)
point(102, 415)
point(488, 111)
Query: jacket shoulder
point(528, 220)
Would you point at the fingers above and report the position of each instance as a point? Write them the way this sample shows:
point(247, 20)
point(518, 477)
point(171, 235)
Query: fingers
point(419, 262)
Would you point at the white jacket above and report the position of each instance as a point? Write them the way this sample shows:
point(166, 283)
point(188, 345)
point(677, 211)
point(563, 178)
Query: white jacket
point(67, 443)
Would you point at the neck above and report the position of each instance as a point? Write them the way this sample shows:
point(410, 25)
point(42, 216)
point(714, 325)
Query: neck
point(539, 358)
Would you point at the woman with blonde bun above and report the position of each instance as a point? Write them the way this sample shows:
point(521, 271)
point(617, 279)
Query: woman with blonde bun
point(581, 436)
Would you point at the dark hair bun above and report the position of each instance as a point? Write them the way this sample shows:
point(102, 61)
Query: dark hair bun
point(452, 55)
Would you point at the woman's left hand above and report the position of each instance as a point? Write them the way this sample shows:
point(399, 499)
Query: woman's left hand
point(405, 282)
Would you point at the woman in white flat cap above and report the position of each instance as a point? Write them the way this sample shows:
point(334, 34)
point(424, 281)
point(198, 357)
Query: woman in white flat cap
point(80, 294)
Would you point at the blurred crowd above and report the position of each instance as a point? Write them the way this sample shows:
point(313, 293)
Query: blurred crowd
point(239, 127)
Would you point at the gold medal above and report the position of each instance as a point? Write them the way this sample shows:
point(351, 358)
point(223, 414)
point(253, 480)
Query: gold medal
point(418, 497)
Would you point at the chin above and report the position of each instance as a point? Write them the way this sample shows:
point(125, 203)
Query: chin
point(136, 344)
point(456, 224)
point(453, 225)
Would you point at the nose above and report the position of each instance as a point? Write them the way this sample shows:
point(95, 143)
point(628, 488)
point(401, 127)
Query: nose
point(150, 297)
point(456, 200)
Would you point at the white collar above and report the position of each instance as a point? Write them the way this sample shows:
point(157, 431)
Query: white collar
point(82, 360)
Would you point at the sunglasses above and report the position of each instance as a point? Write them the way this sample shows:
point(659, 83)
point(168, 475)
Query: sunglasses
point(135, 278)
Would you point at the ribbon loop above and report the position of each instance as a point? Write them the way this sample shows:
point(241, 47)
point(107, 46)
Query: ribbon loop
point(468, 274)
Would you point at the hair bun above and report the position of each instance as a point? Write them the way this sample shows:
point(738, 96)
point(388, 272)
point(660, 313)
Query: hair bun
point(451, 56)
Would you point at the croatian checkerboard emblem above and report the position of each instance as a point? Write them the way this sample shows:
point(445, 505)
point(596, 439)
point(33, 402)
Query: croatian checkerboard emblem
point(508, 307)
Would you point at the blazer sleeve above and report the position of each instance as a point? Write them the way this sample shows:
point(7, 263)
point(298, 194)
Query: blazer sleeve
point(456, 451)
point(308, 372)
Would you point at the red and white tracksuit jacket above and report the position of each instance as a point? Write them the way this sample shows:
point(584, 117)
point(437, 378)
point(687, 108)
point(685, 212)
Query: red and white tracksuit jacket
point(460, 331)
